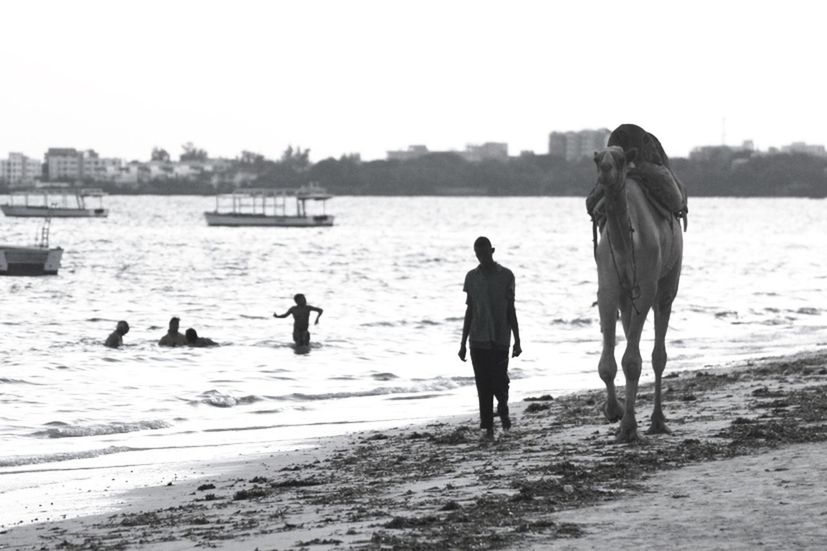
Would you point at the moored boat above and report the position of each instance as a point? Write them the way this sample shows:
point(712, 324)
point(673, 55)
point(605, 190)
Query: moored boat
point(55, 202)
point(269, 207)
point(29, 261)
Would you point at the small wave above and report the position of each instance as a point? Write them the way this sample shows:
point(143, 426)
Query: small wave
point(417, 397)
point(266, 411)
point(424, 385)
point(281, 344)
point(219, 400)
point(577, 322)
point(771, 322)
point(726, 314)
point(63, 430)
point(808, 311)
point(383, 323)
point(7, 381)
point(384, 376)
point(20, 460)
point(248, 399)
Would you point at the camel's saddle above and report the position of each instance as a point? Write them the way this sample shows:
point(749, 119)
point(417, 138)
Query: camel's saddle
point(651, 170)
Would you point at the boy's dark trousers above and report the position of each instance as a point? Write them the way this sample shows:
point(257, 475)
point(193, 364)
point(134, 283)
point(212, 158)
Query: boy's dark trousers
point(491, 375)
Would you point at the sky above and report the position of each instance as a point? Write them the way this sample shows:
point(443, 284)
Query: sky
point(367, 76)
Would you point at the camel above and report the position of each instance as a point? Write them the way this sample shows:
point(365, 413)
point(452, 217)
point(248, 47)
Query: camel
point(638, 258)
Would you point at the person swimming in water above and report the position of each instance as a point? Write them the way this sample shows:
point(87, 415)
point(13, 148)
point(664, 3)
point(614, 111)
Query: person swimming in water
point(301, 319)
point(173, 337)
point(115, 339)
point(194, 340)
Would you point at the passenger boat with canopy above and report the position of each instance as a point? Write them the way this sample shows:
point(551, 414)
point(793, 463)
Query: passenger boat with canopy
point(56, 201)
point(270, 207)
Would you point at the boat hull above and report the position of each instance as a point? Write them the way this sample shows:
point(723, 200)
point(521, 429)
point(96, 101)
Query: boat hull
point(29, 261)
point(236, 219)
point(52, 212)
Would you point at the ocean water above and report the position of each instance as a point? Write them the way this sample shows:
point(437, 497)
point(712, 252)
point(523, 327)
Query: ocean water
point(389, 276)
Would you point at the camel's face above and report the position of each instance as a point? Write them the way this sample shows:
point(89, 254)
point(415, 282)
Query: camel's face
point(611, 167)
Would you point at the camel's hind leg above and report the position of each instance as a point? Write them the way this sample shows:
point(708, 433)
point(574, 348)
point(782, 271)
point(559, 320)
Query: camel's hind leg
point(663, 309)
point(607, 303)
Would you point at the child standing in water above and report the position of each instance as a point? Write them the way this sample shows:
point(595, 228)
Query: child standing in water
point(301, 319)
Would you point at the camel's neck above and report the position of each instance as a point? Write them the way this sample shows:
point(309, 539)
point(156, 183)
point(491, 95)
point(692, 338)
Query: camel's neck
point(617, 219)
point(619, 233)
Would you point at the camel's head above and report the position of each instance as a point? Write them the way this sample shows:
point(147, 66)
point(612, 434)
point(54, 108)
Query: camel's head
point(612, 165)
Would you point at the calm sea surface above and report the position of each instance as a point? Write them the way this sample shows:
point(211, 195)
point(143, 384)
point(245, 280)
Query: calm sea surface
point(389, 277)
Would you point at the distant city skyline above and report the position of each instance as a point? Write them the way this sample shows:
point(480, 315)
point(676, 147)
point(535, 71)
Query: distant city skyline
point(369, 77)
point(588, 140)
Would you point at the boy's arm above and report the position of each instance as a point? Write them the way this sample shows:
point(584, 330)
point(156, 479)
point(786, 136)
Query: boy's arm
point(284, 315)
point(318, 311)
point(466, 327)
point(515, 328)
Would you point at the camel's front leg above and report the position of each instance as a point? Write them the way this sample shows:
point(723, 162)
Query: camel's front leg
point(631, 363)
point(607, 303)
point(658, 425)
point(663, 310)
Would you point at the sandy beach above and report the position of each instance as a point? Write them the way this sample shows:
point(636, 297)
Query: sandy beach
point(744, 467)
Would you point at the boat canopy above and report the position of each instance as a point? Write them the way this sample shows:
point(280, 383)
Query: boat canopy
point(304, 193)
point(55, 200)
point(58, 189)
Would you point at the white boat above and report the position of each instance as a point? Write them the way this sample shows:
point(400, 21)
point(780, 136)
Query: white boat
point(29, 261)
point(55, 202)
point(269, 207)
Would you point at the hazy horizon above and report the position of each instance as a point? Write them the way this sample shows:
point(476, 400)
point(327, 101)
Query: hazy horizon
point(367, 76)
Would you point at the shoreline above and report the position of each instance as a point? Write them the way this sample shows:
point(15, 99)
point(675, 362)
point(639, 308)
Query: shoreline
point(558, 478)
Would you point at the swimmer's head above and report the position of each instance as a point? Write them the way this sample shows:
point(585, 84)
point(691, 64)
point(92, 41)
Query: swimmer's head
point(300, 300)
point(191, 335)
point(122, 327)
point(173, 323)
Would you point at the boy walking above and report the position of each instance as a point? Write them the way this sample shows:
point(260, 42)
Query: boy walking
point(490, 318)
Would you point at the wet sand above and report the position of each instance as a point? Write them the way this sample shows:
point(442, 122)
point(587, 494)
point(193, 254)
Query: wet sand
point(744, 467)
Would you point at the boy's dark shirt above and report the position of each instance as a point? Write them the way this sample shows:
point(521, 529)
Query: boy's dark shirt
point(489, 295)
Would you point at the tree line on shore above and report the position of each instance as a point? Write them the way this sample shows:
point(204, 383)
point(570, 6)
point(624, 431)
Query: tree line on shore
point(725, 172)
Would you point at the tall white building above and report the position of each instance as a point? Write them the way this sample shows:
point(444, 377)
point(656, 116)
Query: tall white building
point(20, 170)
point(97, 168)
point(67, 164)
point(63, 164)
point(577, 144)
